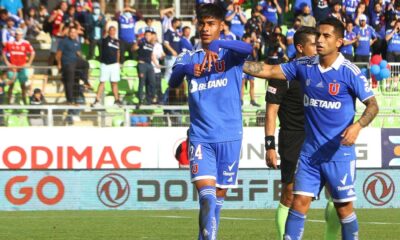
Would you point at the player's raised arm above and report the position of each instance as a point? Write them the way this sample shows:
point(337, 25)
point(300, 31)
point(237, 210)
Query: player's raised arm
point(181, 68)
point(262, 70)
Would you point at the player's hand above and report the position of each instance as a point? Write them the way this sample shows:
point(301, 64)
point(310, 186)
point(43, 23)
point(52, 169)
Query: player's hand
point(197, 70)
point(271, 159)
point(350, 134)
point(209, 59)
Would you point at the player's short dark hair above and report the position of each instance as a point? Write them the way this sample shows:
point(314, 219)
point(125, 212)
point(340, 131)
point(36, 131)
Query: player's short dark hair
point(185, 27)
point(336, 24)
point(210, 10)
point(3, 12)
point(301, 35)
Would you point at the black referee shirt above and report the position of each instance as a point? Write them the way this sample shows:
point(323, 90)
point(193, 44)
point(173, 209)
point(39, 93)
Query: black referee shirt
point(109, 50)
point(289, 96)
point(145, 51)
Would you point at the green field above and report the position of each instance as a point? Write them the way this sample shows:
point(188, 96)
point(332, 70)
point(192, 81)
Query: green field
point(375, 224)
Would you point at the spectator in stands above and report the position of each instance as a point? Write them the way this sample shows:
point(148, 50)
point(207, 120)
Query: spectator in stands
point(185, 43)
point(5, 16)
point(336, 11)
point(34, 27)
point(97, 23)
point(149, 26)
point(166, 16)
point(15, 55)
point(299, 6)
point(393, 40)
point(349, 7)
point(70, 63)
point(56, 20)
point(127, 38)
point(360, 11)
point(393, 14)
point(2, 100)
point(290, 49)
point(322, 9)
point(350, 38)
point(172, 46)
point(145, 68)
point(43, 13)
point(226, 34)
point(306, 19)
point(236, 17)
point(109, 68)
point(269, 8)
point(83, 10)
point(14, 7)
point(158, 54)
point(366, 36)
point(8, 33)
point(70, 16)
point(182, 153)
point(255, 23)
point(35, 115)
point(376, 14)
point(247, 78)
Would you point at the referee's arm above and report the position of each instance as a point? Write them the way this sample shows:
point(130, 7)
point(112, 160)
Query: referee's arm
point(271, 114)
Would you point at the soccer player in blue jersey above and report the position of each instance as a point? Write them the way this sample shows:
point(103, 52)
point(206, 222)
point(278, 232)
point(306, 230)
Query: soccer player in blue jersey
point(330, 84)
point(214, 74)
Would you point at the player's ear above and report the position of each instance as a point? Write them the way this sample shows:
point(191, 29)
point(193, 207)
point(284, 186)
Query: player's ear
point(221, 26)
point(299, 48)
point(339, 42)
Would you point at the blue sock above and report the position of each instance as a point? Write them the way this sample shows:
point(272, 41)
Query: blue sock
point(207, 221)
point(350, 227)
point(220, 202)
point(294, 225)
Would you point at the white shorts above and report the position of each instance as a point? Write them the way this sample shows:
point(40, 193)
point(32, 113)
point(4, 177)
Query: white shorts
point(110, 72)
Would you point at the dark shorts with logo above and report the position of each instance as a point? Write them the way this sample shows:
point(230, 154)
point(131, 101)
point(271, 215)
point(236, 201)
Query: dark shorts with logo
point(290, 143)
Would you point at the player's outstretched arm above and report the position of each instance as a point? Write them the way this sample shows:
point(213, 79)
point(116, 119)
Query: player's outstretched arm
point(262, 70)
point(179, 72)
point(351, 133)
point(243, 49)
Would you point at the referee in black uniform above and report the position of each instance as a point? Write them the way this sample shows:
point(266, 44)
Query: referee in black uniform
point(285, 100)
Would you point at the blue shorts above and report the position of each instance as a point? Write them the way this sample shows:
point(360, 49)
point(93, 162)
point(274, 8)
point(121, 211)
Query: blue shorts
point(340, 176)
point(218, 161)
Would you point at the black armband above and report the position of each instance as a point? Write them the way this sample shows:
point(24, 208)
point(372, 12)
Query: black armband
point(269, 142)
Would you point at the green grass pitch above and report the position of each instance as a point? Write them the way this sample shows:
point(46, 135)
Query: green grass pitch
point(375, 224)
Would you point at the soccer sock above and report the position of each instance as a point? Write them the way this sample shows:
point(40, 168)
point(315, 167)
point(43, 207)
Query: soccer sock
point(332, 221)
point(220, 202)
point(350, 227)
point(294, 225)
point(280, 219)
point(207, 221)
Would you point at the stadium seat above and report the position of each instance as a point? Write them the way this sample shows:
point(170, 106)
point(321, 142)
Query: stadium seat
point(17, 121)
point(94, 71)
point(129, 69)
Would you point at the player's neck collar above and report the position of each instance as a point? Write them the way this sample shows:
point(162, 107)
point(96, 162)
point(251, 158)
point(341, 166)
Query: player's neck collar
point(335, 65)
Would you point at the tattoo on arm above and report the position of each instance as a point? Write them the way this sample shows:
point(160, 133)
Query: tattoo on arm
point(253, 68)
point(369, 113)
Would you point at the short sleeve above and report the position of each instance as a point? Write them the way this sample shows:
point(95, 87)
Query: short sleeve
point(373, 33)
point(228, 13)
point(275, 91)
point(289, 70)
point(167, 37)
point(361, 87)
point(182, 59)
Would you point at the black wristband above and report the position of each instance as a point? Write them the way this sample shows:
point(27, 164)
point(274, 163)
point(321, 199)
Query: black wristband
point(269, 142)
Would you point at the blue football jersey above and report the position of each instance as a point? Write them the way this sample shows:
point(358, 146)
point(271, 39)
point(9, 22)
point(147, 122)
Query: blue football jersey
point(214, 97)
point(329, 104)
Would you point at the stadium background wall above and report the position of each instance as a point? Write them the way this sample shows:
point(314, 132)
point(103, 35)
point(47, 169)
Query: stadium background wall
point(165, 189)
point(132, 148)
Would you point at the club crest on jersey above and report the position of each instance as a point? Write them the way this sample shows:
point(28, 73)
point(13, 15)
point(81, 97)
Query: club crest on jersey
point(195, 168)
point(220, 66)
point(334, 88)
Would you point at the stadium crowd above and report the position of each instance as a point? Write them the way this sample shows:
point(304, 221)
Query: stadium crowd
point(372, 27)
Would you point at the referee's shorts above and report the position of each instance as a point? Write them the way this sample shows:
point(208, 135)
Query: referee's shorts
point(290, 143)
point(110, 72)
